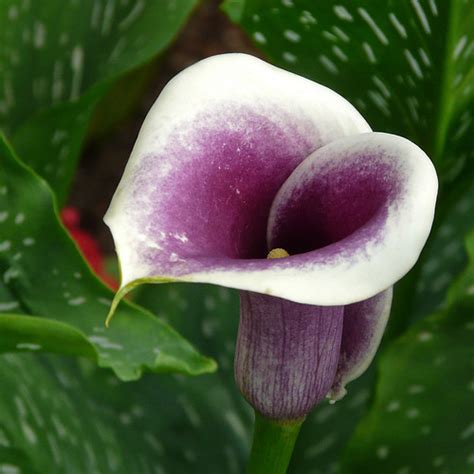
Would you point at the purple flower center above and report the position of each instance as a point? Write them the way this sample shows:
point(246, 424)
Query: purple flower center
point(214, 202)
point(344, 197)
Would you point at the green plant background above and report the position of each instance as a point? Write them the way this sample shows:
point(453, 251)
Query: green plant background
point(408, 66)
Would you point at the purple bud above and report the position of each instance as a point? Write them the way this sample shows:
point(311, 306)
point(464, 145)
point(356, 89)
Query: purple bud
point(287, 354)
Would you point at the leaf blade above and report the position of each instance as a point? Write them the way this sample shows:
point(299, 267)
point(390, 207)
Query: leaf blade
point(57, 55)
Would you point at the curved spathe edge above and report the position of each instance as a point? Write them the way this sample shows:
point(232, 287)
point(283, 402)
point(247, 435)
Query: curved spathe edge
point(311, 278)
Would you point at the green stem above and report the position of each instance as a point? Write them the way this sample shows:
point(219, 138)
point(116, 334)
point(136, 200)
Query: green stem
point(445, 83)
point(272, 445)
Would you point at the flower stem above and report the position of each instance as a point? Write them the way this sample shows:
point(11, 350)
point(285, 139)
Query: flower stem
point(272, 445)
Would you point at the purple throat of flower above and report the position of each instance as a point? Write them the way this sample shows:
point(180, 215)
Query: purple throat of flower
point(236, 158)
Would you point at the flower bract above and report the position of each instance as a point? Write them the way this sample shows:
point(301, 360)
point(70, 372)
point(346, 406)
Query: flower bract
point(236, 158)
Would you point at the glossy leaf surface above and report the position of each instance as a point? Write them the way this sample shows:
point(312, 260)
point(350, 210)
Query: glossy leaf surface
point(57, 59)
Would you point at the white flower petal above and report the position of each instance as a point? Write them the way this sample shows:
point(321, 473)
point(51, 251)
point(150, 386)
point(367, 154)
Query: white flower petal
point(212, 153)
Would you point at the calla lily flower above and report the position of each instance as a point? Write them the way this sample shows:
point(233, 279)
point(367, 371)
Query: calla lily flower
point(237, 158)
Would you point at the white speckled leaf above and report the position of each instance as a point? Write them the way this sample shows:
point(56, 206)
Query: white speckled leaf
point(329, 427)
point(43, 274)
point(69, 417)
point(445, 256)
point(21, 332)
point(155, 425)
point(57, 60)
point(421, 419)
point(408, 65)
point(47, 427)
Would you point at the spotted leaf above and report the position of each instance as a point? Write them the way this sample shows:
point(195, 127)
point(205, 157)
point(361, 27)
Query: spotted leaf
point(71, 417)
point(58, 59)
point(68, 417)
point(406, 64)
point(445, 255)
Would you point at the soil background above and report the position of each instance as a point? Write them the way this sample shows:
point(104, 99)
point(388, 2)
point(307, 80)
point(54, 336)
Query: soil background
point(207, 32)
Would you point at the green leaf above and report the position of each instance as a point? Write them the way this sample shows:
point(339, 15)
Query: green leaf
point(68, 417)
point(61, 422)
point(329, 427)
point(234, 9)
point(86, 420)
point(445, 255)
point(44, 275)
point(464, 285)
point(421, 420)
point(31, 333)
point(58, 59)
point(406, 64)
